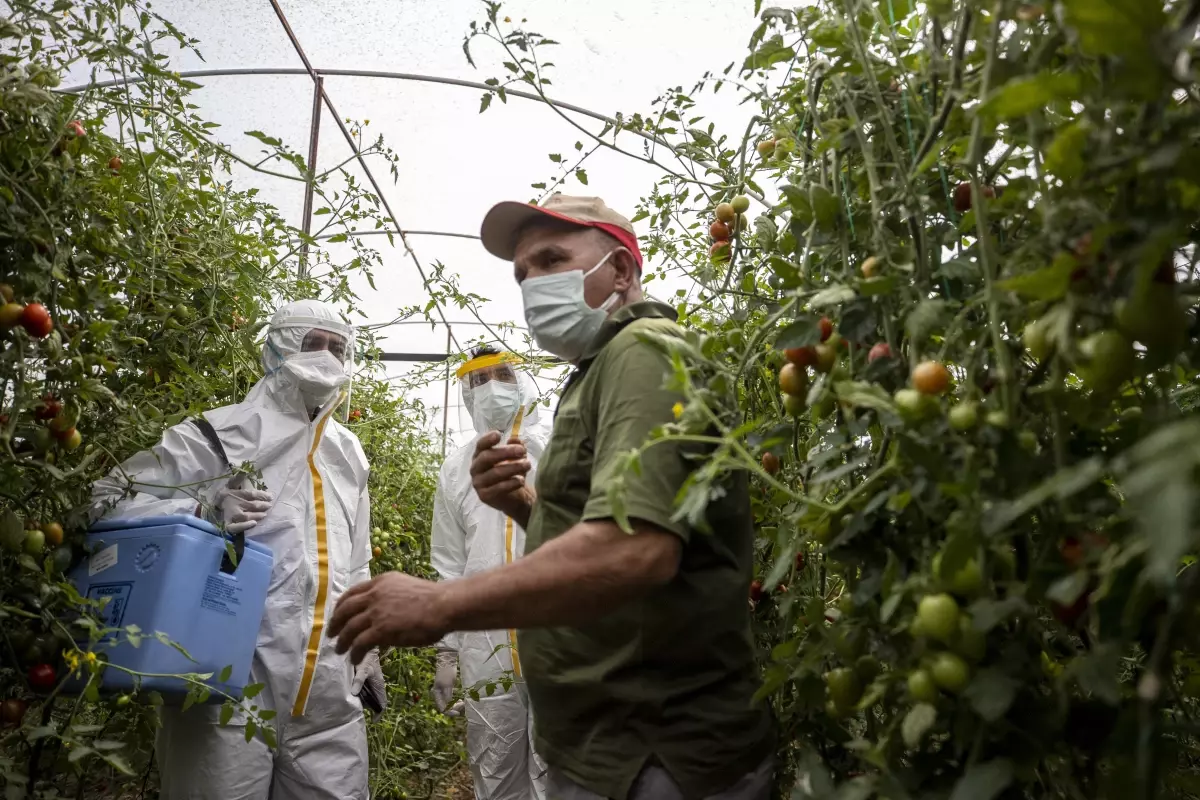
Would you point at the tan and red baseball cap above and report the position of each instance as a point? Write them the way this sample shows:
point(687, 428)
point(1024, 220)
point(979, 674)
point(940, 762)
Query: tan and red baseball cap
point(505, 220)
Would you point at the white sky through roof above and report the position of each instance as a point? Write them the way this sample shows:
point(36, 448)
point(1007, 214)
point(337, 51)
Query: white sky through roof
point(613, 55)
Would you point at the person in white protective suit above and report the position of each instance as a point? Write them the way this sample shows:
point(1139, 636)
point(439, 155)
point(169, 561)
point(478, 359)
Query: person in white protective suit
point(315, 517)
point(470, 537)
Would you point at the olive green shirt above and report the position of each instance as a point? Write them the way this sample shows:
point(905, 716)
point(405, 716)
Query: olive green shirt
point(670, 675)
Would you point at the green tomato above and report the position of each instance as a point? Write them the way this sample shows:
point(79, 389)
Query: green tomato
point(35, 542)
point(921, 688)
point(913, 405)
point(967, 581)
point(1154, 317)
point(939, 616)
point(1109, 360)
point(844, 687)
point(1036, 339)
point(997, 419)
point(793, 404)
point(740, 203)
point(949, 672)
point(1028, 440)
point(964, 416)
point(827, 357)
point(62, 558)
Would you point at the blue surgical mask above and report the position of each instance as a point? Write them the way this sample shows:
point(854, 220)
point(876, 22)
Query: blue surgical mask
point(558, 314)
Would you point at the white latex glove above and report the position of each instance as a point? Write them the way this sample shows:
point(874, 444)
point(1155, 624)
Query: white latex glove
point(444, 678)
point(242, 509)
point(369, 666)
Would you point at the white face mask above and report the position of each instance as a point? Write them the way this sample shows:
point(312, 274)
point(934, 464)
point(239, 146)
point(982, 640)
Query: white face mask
point(558, 315)
point(494, 406)
point(318, 375)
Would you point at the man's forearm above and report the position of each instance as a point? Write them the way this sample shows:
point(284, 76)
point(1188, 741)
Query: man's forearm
point(578, 577)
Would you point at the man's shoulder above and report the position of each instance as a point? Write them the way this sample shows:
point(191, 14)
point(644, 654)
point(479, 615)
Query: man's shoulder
point(639, 337)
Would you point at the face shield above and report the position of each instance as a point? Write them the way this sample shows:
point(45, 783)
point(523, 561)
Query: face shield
point(308, 344)
point(491, 392)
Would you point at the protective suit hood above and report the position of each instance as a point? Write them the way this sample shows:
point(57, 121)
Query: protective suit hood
point(299, 379)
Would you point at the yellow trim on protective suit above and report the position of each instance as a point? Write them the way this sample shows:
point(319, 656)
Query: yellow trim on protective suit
point(483, 362)
point(314, 638)
point(508, 551)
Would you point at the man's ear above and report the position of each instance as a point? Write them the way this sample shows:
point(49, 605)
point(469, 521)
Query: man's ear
point(627, 270)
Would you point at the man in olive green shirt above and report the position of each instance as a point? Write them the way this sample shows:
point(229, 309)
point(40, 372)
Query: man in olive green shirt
point(636, 649)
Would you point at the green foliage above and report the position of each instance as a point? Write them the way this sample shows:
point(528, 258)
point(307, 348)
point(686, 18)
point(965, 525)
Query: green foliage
point(1023, 179)
point(157, 279)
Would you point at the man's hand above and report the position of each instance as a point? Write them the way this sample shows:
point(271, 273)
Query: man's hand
point(391, 610)
point(498, 475)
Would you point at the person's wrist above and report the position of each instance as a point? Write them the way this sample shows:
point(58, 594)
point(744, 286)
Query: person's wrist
point(446, 607)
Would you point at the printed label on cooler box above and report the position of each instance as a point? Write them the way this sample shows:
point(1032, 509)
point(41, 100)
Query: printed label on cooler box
point(117, 595)
point(102, 560)
point(221, 594)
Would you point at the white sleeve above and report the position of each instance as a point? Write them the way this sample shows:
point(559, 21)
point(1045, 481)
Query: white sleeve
point(361, 543)
point(448, 546)
point(173, 477)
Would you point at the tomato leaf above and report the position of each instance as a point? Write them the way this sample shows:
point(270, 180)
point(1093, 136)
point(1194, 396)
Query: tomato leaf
point(1061, 485)
point(1022, 96)
point(984, 781)
point(804, 332)
point(1048, 283)
point(770, 52)
point(917, 722)
point(991, 693)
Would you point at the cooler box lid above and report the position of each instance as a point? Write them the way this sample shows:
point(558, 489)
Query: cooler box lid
point(124, 524)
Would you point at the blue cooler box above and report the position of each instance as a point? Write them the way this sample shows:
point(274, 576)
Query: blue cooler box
point(164, 575)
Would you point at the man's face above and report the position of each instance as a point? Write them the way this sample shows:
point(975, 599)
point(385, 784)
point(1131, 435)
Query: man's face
point(551, 250)
point(318, 339)
point(497, 372)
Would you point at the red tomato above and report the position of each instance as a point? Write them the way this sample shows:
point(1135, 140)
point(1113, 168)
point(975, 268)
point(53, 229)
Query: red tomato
point(50, 407)
point(930, 377)
point(35, 319)
point(756, 591)
point(1069, 615)
point(793, 380)
point(826, 328)
point(720, 250)
point(76, 127)
point(61, 426)
point(42, 677)
point(1071, 550)
point(114, 163)
point(719, 230)
point(880, 350)
point(801, 356)
point(770, 463)
point(801, 560)
point(12, 711)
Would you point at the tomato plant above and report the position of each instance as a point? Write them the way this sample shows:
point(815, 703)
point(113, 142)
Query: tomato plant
point(135, 282)
point(1027, 182)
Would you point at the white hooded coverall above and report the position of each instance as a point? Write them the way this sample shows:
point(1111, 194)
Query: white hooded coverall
point(319, 531)
point(470, 537)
